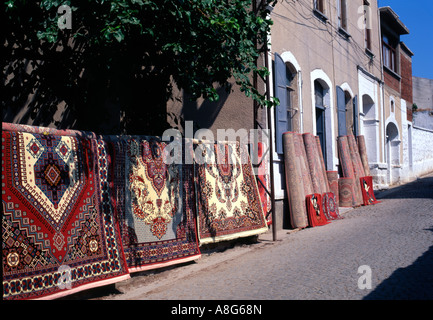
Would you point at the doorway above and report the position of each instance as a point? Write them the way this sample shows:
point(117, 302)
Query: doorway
point(392, 146)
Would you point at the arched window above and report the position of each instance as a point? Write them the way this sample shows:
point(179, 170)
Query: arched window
point(286, 90)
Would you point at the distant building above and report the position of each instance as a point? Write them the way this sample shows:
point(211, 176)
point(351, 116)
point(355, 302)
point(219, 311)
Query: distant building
point(398, 97)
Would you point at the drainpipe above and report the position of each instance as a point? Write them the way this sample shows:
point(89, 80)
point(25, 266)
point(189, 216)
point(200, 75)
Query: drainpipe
point(382, 86)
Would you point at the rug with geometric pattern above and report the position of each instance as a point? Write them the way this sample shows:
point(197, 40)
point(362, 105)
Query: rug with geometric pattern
point(58, 229)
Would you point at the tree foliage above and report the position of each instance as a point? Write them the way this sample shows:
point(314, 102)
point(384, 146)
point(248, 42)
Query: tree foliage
point(112, 43)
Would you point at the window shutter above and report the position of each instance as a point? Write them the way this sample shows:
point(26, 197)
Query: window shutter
point(355, 116)
point(341, 107)
point(281, 109)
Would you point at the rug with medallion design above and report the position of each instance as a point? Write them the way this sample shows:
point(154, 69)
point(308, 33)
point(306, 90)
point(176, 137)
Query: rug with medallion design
point(58, 229)
point(154, 203)
point(228, 200)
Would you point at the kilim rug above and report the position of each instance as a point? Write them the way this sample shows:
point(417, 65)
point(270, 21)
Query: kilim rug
point(293, 162)
point(346, 193)
point(333, 185)
point(363, 154)
point(154, 204)
point(367, 191)
point(59, 235)
point(330, 207)
point(228, 200)
point(316, 217)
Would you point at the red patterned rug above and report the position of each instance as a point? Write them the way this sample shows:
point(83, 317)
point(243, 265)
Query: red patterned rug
point(263, 181)
point(346, 193)
point(367, 191)
point(154, 204)
point(316, 217)
point(228, 200)
point(330, 207)
point(58, 229)
point(348, 170)
point(363, 154)
point(333, 185)
point(314, 163)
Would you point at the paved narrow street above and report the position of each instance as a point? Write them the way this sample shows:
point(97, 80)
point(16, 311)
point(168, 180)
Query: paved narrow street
point(393, 238)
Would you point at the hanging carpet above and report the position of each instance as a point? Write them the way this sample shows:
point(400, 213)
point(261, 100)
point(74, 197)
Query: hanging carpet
point(154, 204)
point(263, 180)
point(228, 200)
point(58, 228)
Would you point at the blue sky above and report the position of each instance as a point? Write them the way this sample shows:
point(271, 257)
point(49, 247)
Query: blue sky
point(417, 15)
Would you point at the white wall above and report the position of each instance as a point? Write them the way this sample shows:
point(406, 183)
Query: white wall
point(422, 151)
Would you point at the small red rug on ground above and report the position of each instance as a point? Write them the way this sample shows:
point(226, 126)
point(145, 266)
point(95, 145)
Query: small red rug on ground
point(58, 228)
point(316, 217)
point(367, 191)
point(330, 207)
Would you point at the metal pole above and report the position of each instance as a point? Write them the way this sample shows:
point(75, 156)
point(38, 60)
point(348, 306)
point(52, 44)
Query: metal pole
point(271, 147)
point(271, 152)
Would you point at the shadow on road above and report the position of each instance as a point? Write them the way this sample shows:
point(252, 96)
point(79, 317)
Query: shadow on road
point(412, 283)
point(420, 188)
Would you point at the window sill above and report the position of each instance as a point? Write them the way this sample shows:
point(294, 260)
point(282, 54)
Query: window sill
point(393, 73)
point(346, 35)
point(369, 53)
point(320, 15)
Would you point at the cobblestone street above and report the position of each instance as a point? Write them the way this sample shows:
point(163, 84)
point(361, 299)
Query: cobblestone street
point(393, 238)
